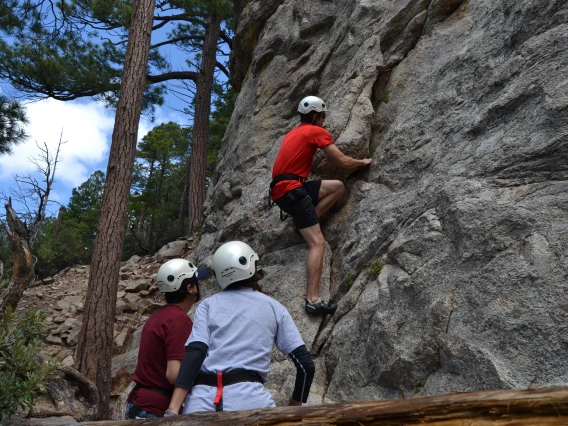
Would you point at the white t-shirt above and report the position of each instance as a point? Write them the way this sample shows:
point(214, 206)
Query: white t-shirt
point(240, 328)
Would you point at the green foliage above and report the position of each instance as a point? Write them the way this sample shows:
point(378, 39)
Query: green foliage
point(158, 183)
point(68, 67)
point(348, 282)
point(375, 268)
point(76, 48)
point(222, 8)
point(12, 121)
point(5, 256)
point(383, 96)
point(21, 374)
point(419, 385)
point(74, 243)
point(85, 201)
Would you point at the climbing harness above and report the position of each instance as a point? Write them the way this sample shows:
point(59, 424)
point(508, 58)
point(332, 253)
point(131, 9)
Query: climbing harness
point(158, 390)
point(221, 380)
point(278, 179)
point(299, 205)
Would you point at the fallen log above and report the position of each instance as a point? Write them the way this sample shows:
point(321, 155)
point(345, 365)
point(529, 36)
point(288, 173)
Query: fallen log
point(505, 407)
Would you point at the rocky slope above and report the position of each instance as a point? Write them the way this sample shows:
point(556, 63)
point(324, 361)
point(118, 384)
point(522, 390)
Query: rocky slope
point(68, 399)
point(463, 106)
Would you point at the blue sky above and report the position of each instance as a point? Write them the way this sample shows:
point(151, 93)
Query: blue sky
point(87, 127)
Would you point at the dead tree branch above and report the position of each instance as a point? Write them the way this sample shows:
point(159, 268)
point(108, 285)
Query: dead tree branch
point(23, 270)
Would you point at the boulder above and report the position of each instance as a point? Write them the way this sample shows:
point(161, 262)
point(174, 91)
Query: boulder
point(54, 340)
point(134, 286)
point(174, 249)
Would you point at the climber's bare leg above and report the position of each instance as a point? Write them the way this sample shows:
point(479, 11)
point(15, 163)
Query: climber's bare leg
point(314, 265)
point(330, 192)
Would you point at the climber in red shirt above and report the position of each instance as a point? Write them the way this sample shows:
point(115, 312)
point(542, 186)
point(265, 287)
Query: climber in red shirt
point(307, 201)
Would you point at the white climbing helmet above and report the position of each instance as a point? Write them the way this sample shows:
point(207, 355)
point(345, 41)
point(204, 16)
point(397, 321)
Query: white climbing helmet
point(232, 262)
point(172, 273)
point(311, 103)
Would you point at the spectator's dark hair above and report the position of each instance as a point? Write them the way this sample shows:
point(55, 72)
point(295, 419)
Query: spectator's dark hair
point(178, 296)
point(307, 118)
point(251, 282)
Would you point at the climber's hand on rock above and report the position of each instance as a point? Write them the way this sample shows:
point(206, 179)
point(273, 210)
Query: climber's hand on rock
point(366, 161)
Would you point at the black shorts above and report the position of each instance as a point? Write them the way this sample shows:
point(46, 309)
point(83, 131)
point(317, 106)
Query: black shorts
point(305, 217)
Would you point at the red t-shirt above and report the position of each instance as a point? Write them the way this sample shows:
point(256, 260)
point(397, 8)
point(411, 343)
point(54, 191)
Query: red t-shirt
point(163, 339)
point(296, 155)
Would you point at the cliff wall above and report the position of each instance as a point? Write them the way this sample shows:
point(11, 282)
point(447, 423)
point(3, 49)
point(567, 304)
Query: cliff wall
point(463, 107)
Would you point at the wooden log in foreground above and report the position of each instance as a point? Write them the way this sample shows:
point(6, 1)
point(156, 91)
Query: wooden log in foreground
point(508, 407)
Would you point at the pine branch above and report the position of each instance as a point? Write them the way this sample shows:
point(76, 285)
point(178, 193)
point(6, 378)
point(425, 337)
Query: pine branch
point(174, 75)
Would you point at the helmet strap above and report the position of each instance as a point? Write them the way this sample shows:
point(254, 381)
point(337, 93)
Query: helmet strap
point(198, 295)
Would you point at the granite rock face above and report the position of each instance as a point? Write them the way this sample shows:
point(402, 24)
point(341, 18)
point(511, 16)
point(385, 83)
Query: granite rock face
point(463, 106)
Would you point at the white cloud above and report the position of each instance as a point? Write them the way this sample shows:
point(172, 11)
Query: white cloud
point(87, 128)
point(161, 115)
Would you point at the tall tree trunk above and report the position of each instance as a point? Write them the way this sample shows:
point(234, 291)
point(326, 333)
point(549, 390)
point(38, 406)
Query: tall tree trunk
point(198, 159)
point(23, 272)
point(149, 236)
point(182, 211)
point(145, 206)
point(184, 203)
point(142, 219)
point(149, 239)
point(94, 349)
point(59, 221)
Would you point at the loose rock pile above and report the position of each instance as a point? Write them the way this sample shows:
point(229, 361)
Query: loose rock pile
point(62, 298)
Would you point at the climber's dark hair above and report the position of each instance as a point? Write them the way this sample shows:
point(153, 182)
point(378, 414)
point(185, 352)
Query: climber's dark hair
point(178, 296)
point(307, 118)
point(251, 282)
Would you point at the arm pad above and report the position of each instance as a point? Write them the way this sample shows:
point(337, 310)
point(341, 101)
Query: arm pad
point(194, 356)
point(305, 370)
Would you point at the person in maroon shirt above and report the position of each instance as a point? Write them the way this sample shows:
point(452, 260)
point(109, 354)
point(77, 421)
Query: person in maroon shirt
point(307, 201)
point(163, 339)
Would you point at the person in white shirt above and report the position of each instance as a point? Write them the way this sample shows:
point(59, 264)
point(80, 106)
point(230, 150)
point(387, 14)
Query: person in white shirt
point(229, 350)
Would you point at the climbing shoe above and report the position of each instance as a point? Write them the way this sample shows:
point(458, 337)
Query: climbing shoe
point(320, 308)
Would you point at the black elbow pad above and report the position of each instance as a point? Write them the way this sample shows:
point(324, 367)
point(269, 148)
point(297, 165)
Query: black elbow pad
point(194, 356)
point(305, 370)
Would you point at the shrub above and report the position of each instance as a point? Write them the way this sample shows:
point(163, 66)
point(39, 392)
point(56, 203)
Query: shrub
point(348, 283)
point(375, 268)
point(419, 385)
point(383, 96)
point(21, 373)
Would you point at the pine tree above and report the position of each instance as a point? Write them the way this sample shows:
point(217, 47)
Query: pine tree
point(94, 348)
point(12, 121)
